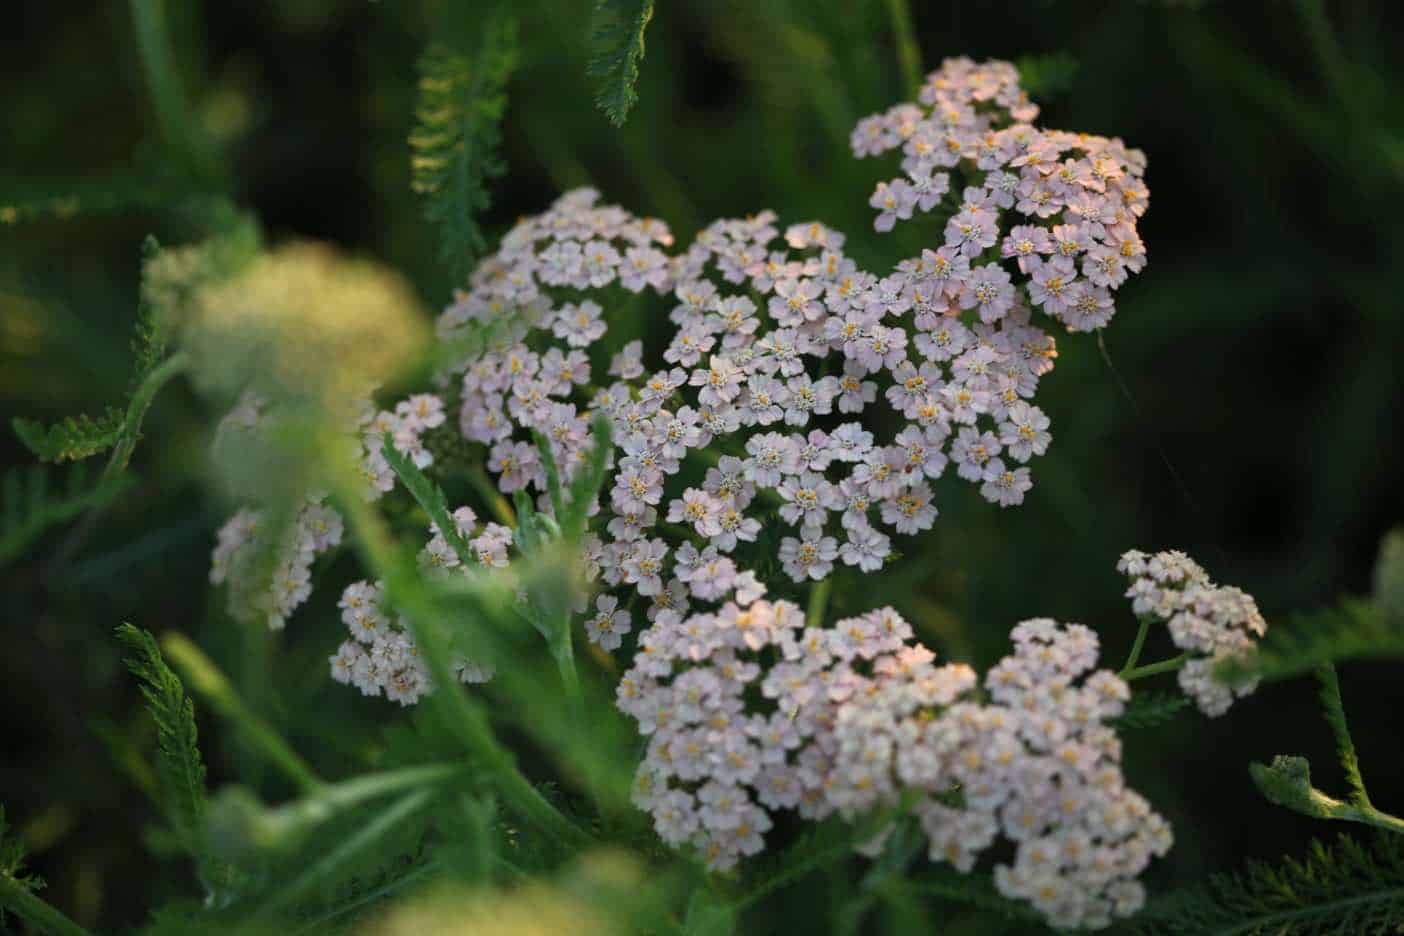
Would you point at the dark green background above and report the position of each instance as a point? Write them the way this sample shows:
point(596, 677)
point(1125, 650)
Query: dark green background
point(1259, 350)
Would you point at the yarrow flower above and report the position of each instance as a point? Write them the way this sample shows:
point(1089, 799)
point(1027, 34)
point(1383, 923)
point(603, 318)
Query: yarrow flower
point(751, 386)
point(381, 656)
point(1047, 218)
point(1210, 623)
point(315, 528)
point(847, 718)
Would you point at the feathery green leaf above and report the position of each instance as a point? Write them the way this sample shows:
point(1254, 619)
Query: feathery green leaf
point(73, 438)
point(453, 148)
point(1353, 630)
point(178, 765)
point(1350, 889)
point(618, 28)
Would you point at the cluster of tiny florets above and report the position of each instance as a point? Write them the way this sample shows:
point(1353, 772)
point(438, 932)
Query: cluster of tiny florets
point(406, 425)
point(315, 529)
point(1037, 765)
point(749, 712)
point(781, 347)
point(1045, 216)
point(1212, 623)
point(731, 704)
point(381, 656)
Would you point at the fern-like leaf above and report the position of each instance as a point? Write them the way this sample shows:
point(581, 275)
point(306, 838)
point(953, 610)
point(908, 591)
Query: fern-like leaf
point(618, 28)
point(1349, 888)
point(29, 506)
point(1150, 709)
point(1354, 629)
point(179, 766)
point(453, 148)
point(73, 438)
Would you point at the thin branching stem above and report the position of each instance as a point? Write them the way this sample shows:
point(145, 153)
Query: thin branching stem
point(1137, 645)
point(1345, 747)
point(1152, 669)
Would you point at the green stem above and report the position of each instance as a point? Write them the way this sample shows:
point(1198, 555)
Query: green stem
point(44, 916)
point(318, 924)
point(1137, 645)
point(908, 52)
point(158, 62)
point(205, 679)
point(818, 602)
point(1345, 747)
point(336, 798)
point(380, 554)
point(365, 837)
point(127, 439)
point(1151, 669)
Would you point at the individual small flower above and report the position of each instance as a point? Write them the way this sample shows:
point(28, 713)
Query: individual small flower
point(580, 325)
point(609, 625)
point(895, 200)
point(1005, 486)
point(809, 557)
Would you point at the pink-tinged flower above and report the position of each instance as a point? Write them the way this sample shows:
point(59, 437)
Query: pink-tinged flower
point(1005, 486)
point(809, 557)
point(895, 200)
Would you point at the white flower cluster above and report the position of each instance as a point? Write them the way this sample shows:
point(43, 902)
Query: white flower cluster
point(1044, 214)
point(381, 655)
point(1210, 622)
point(718, 761)
point(744, 378)
point(1036, 765)
point(749, 712)
point(315, 529)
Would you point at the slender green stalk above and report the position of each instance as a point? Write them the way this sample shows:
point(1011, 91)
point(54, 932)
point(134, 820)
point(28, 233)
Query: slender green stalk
point(364, 838)
point(1136, 646)
point(174, 122)
point(1345, 747)
point(908, 52)
point(161, 375)
point(43, 915)
point(205, 679)
point(317, 924)
point(818, 602)
point(1151, 669)
point(334, 798)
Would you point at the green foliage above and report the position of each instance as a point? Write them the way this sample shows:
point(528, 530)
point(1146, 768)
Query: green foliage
point(453, 148)
point(1045, 76)
point(179, 766)
point(73, 438)
point(1150, 710)
point(1354, 629)
point(1350, 889)
point(618, 28)
point(29, 507)
point(12, 863)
